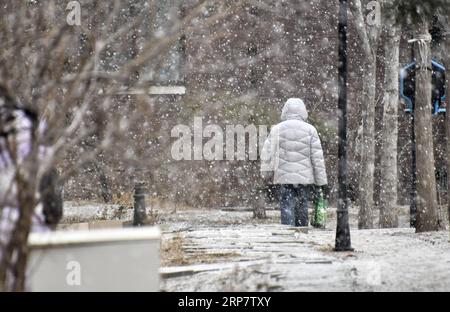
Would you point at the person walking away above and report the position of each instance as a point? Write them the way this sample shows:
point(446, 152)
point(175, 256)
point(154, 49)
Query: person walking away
point(292, 157)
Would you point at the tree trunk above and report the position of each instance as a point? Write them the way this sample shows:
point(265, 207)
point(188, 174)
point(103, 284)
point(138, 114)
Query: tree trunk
point(19, 238)
point(259, 204)
point(366, 181)
point(447, 127)
point(257, 194)
point(105, 189)
point(16, 250)
point(388, 161)
point(426, 180)
point(368, 35)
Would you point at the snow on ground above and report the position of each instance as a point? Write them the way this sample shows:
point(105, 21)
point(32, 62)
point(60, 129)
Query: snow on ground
point(384, 260)
point(214, 250)
point(248, 256)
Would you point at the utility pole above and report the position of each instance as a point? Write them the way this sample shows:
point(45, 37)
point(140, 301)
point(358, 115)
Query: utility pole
point(343, 241)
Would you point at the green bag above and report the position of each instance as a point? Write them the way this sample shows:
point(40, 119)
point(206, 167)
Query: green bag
point(319, 219)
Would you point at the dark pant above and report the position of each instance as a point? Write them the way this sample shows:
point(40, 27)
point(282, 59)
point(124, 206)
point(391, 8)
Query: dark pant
point(294, 204)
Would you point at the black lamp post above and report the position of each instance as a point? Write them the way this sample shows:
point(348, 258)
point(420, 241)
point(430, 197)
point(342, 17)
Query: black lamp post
point(343, 241)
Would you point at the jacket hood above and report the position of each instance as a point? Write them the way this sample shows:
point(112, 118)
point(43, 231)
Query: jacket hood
point(294, 109)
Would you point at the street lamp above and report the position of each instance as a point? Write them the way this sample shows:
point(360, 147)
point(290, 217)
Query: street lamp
point(343, 241)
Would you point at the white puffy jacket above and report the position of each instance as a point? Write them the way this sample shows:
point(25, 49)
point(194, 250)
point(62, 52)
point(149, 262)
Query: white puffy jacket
point(293, 151)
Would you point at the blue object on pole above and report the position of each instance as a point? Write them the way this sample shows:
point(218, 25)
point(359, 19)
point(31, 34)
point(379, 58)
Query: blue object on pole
point(407, 86)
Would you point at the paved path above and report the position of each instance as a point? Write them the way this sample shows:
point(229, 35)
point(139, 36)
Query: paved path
point(272, 257)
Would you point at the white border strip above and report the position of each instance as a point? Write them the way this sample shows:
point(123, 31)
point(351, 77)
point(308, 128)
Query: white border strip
point(156, 90)
point(58, 238)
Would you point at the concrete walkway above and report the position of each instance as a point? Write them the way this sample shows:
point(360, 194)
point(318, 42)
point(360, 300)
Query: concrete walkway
point(272, 257)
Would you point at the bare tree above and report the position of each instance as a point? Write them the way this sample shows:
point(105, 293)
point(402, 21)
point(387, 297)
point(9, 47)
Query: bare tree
point(56, 71)
point(388, 161)
point(368, 36)
point(427, 219)
point(418, 13)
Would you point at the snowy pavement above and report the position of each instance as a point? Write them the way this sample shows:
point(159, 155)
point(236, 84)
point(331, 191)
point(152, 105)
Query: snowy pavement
point(216, 250)
point(271, 257)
